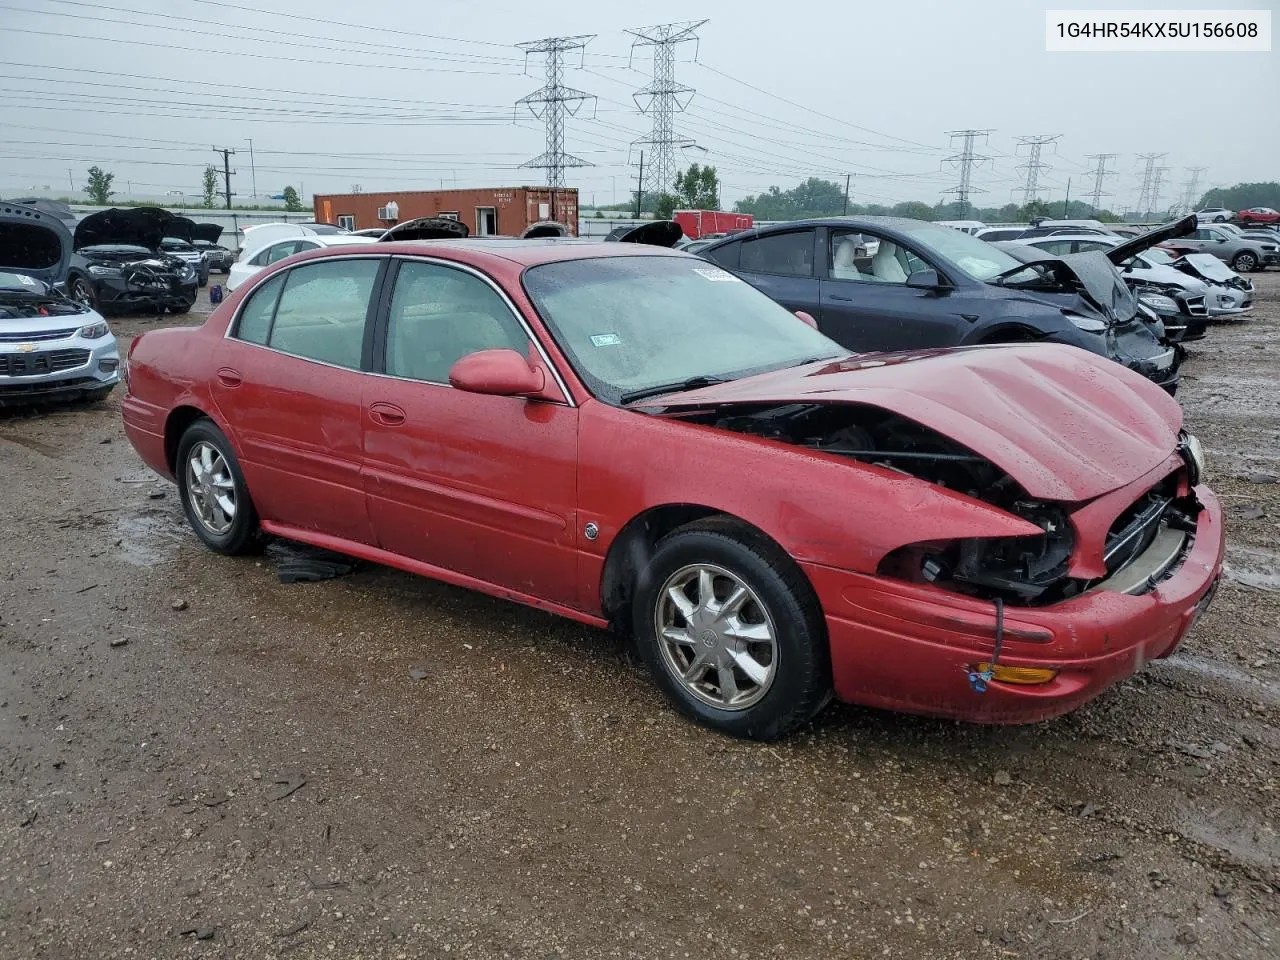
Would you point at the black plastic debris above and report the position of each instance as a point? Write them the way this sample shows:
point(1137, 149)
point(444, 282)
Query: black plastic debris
point(299, 563)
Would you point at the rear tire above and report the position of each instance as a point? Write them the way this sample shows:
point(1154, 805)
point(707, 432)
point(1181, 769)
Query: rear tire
point(212, 488)
point(758, 666)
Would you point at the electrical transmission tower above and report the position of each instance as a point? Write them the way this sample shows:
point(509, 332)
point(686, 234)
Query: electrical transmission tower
point(551, 102)
point(1033, 166)
point(967, 160)
point(1190, 195)
point(1150, 178)
point(1100, 173)
point(661, 99)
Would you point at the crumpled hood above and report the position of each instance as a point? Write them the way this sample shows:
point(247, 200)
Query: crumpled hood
point(1205, 266)
point(1064, 425)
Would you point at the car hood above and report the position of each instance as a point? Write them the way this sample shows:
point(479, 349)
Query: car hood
point(544, 228)
point(427, 228)
point(1206, 266)
point(1063, 425)
point(1170, 275)
point(179, 228)
point(33, 243)
point(209, 232)
point(656, 233)
point(137, 226)
point(1178, 228)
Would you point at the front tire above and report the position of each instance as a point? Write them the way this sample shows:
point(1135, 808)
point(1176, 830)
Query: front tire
point(1219, 219)
point(1244, 263)
point(81, 290)
point(732, 631)
point(214, 495)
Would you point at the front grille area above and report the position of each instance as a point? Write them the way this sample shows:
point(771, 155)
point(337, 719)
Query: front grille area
point(35, 364)
point(1134, 530)
point(9, 337)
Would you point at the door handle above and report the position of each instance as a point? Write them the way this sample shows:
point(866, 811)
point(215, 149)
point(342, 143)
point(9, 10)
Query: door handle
point(229, 378)
point(387, 414)
point(836, 296)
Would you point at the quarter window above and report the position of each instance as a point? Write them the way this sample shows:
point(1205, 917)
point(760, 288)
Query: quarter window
point(255, 318)
point(439, 315)
point(788, 254)
point(322, 311)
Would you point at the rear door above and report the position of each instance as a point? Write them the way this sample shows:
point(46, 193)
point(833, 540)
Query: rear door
point(288, 383)
point(778, 264)
point(866, 304)
point(480, 485)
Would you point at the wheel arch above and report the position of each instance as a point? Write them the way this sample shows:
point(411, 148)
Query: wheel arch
point(632, 548)
point(1010, 331)
point(175, 425)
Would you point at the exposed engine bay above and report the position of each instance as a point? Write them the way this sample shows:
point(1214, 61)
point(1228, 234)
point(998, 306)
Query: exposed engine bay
point(1030, 570)
point(22, 297)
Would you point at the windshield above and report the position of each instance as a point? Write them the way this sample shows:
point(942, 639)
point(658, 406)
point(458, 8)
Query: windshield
point(628, 324)
point(975, 257)
point(1154, 255)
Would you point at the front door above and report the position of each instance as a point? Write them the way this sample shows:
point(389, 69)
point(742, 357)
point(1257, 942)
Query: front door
point(867, 305)
point(480, 485)
point(288, 384)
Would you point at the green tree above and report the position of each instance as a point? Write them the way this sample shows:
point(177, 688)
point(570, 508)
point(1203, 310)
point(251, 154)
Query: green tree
point(814, 197)
point(99, 186)
point(1243, 196)
point(210, 184)
point(697, 188)
point(913, 209)
point(292, 202)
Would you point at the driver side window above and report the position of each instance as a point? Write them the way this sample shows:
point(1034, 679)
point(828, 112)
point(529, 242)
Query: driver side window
point(871, 259)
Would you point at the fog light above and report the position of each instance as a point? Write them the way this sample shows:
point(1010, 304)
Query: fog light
point(1024, 676)
point(107, 366)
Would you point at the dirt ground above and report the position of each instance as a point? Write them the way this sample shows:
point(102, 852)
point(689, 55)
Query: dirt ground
point(256, 772)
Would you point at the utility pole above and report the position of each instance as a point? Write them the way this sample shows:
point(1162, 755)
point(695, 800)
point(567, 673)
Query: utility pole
point(662, 98)
point(70, 182)
point(1190, 194)
point(1145, 201)
point(1100, 172)
point(1066, 204)
point(640, 185)
point(967, 160)
point(227, 154)
point(551, 102)
point(846, 195)
point(253, 170)
point(1033, 166)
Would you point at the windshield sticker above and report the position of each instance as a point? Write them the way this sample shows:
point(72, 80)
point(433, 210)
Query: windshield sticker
point(606, 340)
point(716, 274)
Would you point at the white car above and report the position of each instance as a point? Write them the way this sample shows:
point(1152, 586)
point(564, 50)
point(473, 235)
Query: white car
point(253, 259)
point(997, 234)
point(1214, 215)
point(1154, 267)
point(964, 226)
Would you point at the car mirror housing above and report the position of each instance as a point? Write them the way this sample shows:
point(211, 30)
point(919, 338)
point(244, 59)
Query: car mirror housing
point(807, 318)
point(924, 279)
point(499, 373)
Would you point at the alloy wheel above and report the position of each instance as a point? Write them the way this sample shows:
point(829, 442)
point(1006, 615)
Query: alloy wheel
point(717, 638)
point(211, 488)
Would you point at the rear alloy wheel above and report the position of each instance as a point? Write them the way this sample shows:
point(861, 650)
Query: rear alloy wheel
point(1219, 219)
point(1244, 263)
point(214, 496)
point(732, 632)
point(82, 291)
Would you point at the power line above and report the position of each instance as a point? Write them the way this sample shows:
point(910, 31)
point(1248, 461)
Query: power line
point(664, 98)
point(551, 102)
point(1034, 167)
point(967, 160)
point(1190, 195)
point(1147, 196)
point(1100, 173)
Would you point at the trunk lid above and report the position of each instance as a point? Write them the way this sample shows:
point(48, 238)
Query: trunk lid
point(1064, 425)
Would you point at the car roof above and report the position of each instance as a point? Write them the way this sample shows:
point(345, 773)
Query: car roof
point(333, 239)
point(1104, 237)
point(526, 253)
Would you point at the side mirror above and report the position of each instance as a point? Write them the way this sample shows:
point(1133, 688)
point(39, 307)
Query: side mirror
point(924, 279)
point(498, 373)
point(807, 318)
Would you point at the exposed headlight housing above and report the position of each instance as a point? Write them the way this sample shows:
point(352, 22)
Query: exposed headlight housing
point(188, 271)
point(1158, 302)
point(100, 271)
point(1192, 455)
point(1088, 324)
point(94, 331)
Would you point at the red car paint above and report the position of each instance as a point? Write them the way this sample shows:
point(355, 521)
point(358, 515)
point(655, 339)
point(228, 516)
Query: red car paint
point(495, 492)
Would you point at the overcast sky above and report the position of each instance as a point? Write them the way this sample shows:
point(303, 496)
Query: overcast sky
point(395, 95)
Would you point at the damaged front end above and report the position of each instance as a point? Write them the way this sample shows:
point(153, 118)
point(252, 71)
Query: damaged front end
point(1070, 555)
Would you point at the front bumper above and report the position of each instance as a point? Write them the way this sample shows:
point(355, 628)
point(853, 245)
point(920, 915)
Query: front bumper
point(58, 370)
point(117, 293)
point(910, 647)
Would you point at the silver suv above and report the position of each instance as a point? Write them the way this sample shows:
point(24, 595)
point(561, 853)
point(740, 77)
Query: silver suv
point(51, 347)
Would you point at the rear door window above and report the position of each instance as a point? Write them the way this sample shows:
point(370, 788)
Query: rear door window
point(783, 254)
point(323, 310)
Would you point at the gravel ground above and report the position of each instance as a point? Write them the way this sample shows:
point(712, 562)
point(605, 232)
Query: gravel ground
point(197, 760)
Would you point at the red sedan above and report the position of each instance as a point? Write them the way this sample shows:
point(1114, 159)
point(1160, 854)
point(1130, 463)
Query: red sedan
point(633, 437)
point(1258, 215)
